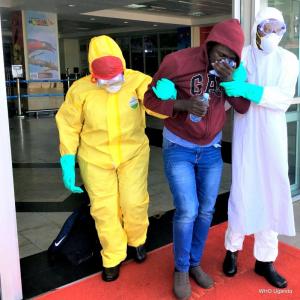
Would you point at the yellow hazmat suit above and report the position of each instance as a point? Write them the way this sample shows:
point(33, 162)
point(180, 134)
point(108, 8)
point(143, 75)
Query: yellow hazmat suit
point(106, 132)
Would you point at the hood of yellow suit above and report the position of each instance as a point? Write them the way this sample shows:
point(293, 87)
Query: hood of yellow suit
point(104, 46)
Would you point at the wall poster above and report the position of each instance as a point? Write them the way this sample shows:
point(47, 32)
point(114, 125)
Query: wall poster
point(41, 44)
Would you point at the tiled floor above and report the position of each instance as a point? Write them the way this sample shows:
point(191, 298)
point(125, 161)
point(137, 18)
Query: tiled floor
point(37, 180)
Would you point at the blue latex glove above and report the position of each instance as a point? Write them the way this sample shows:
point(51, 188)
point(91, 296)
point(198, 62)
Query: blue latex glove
point(165, 89)
point(240, 73)
point(247, 90)
point(67, 163)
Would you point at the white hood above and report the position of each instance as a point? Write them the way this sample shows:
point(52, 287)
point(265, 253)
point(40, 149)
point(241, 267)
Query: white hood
point(264, 14)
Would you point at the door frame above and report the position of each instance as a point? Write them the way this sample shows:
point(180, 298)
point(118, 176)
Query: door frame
point(10, 274)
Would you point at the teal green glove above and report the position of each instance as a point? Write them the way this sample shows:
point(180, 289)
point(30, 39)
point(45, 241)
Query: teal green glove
point(165, 89)
point(67, 163)
point(247, 90)
point(240, 73)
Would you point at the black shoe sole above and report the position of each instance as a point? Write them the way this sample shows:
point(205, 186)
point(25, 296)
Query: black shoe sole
point(109, 279)
point(229, 274)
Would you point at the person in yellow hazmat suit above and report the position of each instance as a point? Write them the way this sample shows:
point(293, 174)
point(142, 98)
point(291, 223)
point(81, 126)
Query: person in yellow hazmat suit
point(102, 124)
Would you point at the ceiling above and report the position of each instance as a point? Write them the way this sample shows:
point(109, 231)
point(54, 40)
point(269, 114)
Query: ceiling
point(78, 18)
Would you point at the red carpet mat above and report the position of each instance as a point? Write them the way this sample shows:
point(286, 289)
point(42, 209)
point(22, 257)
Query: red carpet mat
point(153, 279)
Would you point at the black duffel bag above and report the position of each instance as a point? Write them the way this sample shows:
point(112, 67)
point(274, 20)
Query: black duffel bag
point(77, 240)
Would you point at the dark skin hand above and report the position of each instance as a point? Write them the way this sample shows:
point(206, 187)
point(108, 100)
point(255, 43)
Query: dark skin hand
point(216, 53)
point(193, 105)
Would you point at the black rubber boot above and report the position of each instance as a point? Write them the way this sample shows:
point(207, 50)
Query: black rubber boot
point(140, 253)
point(111, 274)
point(230, 263)
point(267, 270)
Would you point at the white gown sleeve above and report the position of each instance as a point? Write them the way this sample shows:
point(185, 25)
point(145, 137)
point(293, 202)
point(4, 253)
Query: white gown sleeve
point(280, 97)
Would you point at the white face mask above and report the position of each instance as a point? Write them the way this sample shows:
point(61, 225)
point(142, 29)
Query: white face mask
point(270, 42)
point(113, 88)
point(112, 85)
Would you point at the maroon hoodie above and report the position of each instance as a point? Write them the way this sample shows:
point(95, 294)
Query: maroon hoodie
point(188, 69)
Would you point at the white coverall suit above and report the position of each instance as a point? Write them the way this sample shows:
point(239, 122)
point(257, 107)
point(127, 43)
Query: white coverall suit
point(107, 133)
point(260, 199)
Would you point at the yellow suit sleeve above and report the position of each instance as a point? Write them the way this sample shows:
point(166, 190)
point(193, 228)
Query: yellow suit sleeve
point(141, 90)
point(69, 120)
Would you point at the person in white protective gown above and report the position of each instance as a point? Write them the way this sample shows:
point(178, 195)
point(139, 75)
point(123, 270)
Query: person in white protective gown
point(260, 200)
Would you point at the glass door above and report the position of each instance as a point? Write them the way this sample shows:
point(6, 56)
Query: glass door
point(293, 125)
point(137, 54)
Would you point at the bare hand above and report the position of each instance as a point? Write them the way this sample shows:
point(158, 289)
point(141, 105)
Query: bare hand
point(193, 106)
point(224, 70)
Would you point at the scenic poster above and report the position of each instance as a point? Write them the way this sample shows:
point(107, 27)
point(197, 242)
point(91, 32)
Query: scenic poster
point(42, 45)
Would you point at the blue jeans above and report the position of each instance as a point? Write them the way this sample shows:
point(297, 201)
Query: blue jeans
point(194, 176)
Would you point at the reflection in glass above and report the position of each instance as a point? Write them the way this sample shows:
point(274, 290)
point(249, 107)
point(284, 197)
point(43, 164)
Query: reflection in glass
point(145, 52)
point(124, 44)
point(150, 50)
point(183, 38)
point(168, 43)
point(168, 40)
point(137, 58)
point(292, 138)
point(291, 14)
point(293, 108)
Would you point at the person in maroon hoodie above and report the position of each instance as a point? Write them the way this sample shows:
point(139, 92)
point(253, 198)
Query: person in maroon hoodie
point(191, 145)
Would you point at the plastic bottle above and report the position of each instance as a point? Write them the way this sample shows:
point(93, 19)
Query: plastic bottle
point(203, 98)
point(229, 61)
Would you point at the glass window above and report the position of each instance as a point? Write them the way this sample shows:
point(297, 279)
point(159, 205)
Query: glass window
point(124, 44)
point(144, 52)
point(168, 40)
point(293, 107)
point(150, 50)
point(290, 41)
point(292, 147)
point(183, 38)
point(137, 58)
point(173, 41)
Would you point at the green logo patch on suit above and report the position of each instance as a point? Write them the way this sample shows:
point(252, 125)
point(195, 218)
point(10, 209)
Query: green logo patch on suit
point(133, 103)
